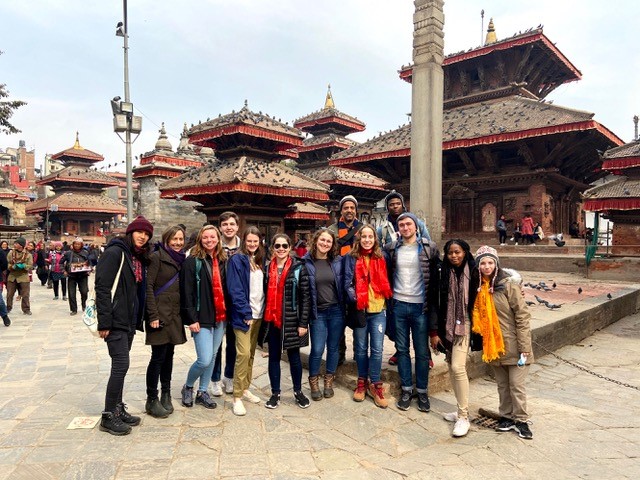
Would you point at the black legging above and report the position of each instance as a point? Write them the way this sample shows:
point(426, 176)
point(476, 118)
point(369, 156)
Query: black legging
point(160, 366)
point(63, 283)
point(119, 344)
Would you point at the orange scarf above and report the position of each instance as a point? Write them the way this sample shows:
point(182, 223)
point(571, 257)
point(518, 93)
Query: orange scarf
point(275, 292)
point(487, 324)
point(218, 292)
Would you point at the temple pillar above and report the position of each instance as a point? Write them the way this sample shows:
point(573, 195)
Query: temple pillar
point(427, 96)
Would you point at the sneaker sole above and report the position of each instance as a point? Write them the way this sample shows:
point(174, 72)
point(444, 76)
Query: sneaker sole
point(210, 407)
point(507, 429)
point(424, 410)
point(403, 408)
point(271, 407)
point(188, 405)
point(358, 400)
point(113, 432)
point(303, 406)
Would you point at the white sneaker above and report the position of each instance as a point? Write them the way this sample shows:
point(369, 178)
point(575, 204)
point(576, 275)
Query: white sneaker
point(461, 427)
point(250, 397)
point(516, 243)
point(216, 389)
point(502, 244)
point(227, 383)
point(451, 417)
point(238, 407)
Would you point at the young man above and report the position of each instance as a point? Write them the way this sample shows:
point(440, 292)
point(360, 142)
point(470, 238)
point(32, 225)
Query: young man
point(20, 263)
point(77, 267)
point(413, 267)
point(388, 231)
point(229, 225)
point(347, 225)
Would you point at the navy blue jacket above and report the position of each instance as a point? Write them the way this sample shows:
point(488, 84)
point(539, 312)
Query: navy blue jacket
point(336, 266)
point(238, 274)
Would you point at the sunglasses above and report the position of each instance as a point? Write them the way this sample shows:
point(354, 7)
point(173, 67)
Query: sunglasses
point(277, 246)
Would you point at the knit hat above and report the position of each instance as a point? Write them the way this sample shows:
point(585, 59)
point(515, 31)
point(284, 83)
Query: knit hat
point(140, 224)
point(408, 215)
point(486, 251)
point(20, 241)
point(78, 240)
point(348, 198)
point(393, 194)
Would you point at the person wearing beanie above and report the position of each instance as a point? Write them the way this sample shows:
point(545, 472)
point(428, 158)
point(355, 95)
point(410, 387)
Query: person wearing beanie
point(77, 269)
point(347, 225)
point(121, 277)
point(20, 263)
point(413, 267)
point(388, 231)
point(502, 317)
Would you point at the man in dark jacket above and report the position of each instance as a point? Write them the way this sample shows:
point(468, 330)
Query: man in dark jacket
point(3, 306)
point(413, 262)
point(77, 268)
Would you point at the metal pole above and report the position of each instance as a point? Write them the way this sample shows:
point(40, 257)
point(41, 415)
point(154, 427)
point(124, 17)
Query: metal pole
point(127, 141)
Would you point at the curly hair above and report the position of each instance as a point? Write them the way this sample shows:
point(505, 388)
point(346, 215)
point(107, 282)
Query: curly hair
point(313, 249)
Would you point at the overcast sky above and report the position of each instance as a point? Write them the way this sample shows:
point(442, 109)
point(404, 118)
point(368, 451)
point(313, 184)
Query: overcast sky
point(193, 59)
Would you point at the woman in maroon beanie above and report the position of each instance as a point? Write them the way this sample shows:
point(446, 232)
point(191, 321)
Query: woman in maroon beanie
point(120, 301)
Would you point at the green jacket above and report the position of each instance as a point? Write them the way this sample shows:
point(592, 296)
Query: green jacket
point(20, 264)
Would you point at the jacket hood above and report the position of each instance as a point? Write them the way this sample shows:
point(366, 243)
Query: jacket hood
point(394, 194)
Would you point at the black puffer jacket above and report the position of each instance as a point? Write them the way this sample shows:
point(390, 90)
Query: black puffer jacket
point(126, 310)
point(189, 312)
point(296, 291)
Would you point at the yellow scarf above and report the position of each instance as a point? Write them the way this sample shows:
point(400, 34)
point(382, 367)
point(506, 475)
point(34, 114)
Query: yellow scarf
point(487, 324)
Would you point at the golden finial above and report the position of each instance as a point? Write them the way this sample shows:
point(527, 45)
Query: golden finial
point(77, 146)
point(491, 34)
point(328, 103)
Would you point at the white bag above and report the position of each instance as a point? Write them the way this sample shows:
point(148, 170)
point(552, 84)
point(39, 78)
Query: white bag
point(90, 315)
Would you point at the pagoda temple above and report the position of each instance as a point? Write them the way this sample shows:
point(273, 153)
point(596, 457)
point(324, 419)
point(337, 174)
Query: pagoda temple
point(506, 150)
point(619, 200)
point(329, 128)
point(79, 206)
point(249, 175)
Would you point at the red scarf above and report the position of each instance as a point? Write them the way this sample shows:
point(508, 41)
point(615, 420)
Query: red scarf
point(218, 292)
point(275, 292)
point(375, 273)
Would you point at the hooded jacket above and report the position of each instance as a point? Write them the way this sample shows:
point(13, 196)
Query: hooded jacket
point(387, 232)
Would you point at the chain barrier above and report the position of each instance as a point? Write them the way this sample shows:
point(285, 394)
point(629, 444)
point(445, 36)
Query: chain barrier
point(586, 370)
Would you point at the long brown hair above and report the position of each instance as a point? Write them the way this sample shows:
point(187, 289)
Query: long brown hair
point(198, 250)
point(273, 242)
point(313, 250)
point(256, 259)
point(376, 252)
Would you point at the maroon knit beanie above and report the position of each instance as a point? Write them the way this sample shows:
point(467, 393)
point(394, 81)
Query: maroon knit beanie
point(140, 224)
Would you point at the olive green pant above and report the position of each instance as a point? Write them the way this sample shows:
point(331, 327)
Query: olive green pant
point(245, 351)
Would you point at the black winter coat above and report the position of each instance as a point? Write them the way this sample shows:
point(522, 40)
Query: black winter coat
point(297, 315)
point(189, 293)
point(126, 310)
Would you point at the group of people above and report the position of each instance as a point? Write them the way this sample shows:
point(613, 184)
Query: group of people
point(386, 281)
point(526, 231)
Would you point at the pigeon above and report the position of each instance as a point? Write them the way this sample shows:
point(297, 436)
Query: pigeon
point(553, 306)
point(529, 303)
point(609, 296)
point(541, 300)
point(579, 290)
point(554, 285)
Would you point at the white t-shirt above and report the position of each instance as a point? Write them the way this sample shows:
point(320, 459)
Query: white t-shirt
point(256, 293)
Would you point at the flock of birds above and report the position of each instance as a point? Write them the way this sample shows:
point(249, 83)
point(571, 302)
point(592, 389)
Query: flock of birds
point(542, 286)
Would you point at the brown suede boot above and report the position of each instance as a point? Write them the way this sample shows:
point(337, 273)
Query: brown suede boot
point(328, 385)
point(377, 393)
point(316, 394)
point(360, 391)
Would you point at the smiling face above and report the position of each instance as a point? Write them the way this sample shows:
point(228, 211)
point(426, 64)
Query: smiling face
point(325, 244)
point(229, 229)
point(281, 248)
point(252, 243)
point(367, 238)
point(348, 212)
point(487, 266)
point(407, 228)
point(209, 240)
point(139, 238)
point(455, 255)
point(177, 241)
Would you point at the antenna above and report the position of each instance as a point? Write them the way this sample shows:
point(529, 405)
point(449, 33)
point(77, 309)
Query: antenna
point(481, 26)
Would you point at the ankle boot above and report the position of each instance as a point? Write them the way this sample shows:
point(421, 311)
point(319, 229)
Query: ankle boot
point(111, 423)
point(126, 417)
point(154, 408)
point(328, 385)
point(315, 387)
point(165, 400)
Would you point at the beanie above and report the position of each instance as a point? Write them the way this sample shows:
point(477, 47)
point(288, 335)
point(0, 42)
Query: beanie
point(408, 215)
point(78, 240)
point(20, 241)
point(348, 198)
point(140, 224)
point(393, 194)
point(487, 251)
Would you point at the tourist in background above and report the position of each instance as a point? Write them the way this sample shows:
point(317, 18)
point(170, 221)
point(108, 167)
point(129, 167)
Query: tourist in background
point(286, 317)
point(164, 329)
point(42, 269)
point(78, 268)
point(501, 226)
point(3, 307)
point(538, 233)
point(121, 314)
point(245, 282)
point(517, 234)
point(327, 312)
point(204, 310)
point(57, 272)
point(20, 263)
point(501, 316)
point(367, 287)
point(451, 333)
point(527, 229)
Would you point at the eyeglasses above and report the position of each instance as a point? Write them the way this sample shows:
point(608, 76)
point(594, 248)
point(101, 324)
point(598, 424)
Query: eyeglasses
point(278, 246)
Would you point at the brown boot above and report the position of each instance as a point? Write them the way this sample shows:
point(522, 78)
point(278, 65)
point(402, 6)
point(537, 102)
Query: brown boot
point(316, 394)
point(360, 391)
point(376, 392)
point(328, 385)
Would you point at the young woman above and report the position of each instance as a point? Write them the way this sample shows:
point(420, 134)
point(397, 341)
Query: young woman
point(367, 287)
point(452, 332)
point(245, 281)
point(164, 324)
point(501, 316)
point(286, 316)
point(57, 271)
point(326, 316)
point(120, 313)
point(204, 310)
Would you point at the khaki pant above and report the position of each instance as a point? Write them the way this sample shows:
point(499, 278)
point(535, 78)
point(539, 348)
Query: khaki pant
point(511, 390)
point(245, 351)
point(458, 372)
point(25, 290)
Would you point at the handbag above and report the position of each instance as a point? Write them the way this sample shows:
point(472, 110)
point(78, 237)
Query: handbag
point(90, 315)
point(355, 318)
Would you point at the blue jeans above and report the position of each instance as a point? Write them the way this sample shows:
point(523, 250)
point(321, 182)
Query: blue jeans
point(275, 354)
point(326, 330)
point(412, 322)
point(3, 306)
point(371, 335)
point(229, 356)
point(207, 342)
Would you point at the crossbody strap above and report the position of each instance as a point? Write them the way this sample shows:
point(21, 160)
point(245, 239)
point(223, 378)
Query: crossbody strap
point(115, 282)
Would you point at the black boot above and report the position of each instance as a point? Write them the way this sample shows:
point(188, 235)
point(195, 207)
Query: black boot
point(113, 424)
point(154, 408)
point(121, 411)
point(6, 320)
point(165, 400)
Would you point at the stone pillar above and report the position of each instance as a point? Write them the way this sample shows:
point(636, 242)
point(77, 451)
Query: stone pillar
point(426, 114)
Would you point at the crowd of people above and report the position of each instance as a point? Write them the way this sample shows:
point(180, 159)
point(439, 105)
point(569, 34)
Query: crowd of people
point(385, 282)
point(525, 231)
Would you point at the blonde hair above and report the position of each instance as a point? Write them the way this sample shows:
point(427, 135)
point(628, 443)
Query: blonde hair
point(198, 250)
